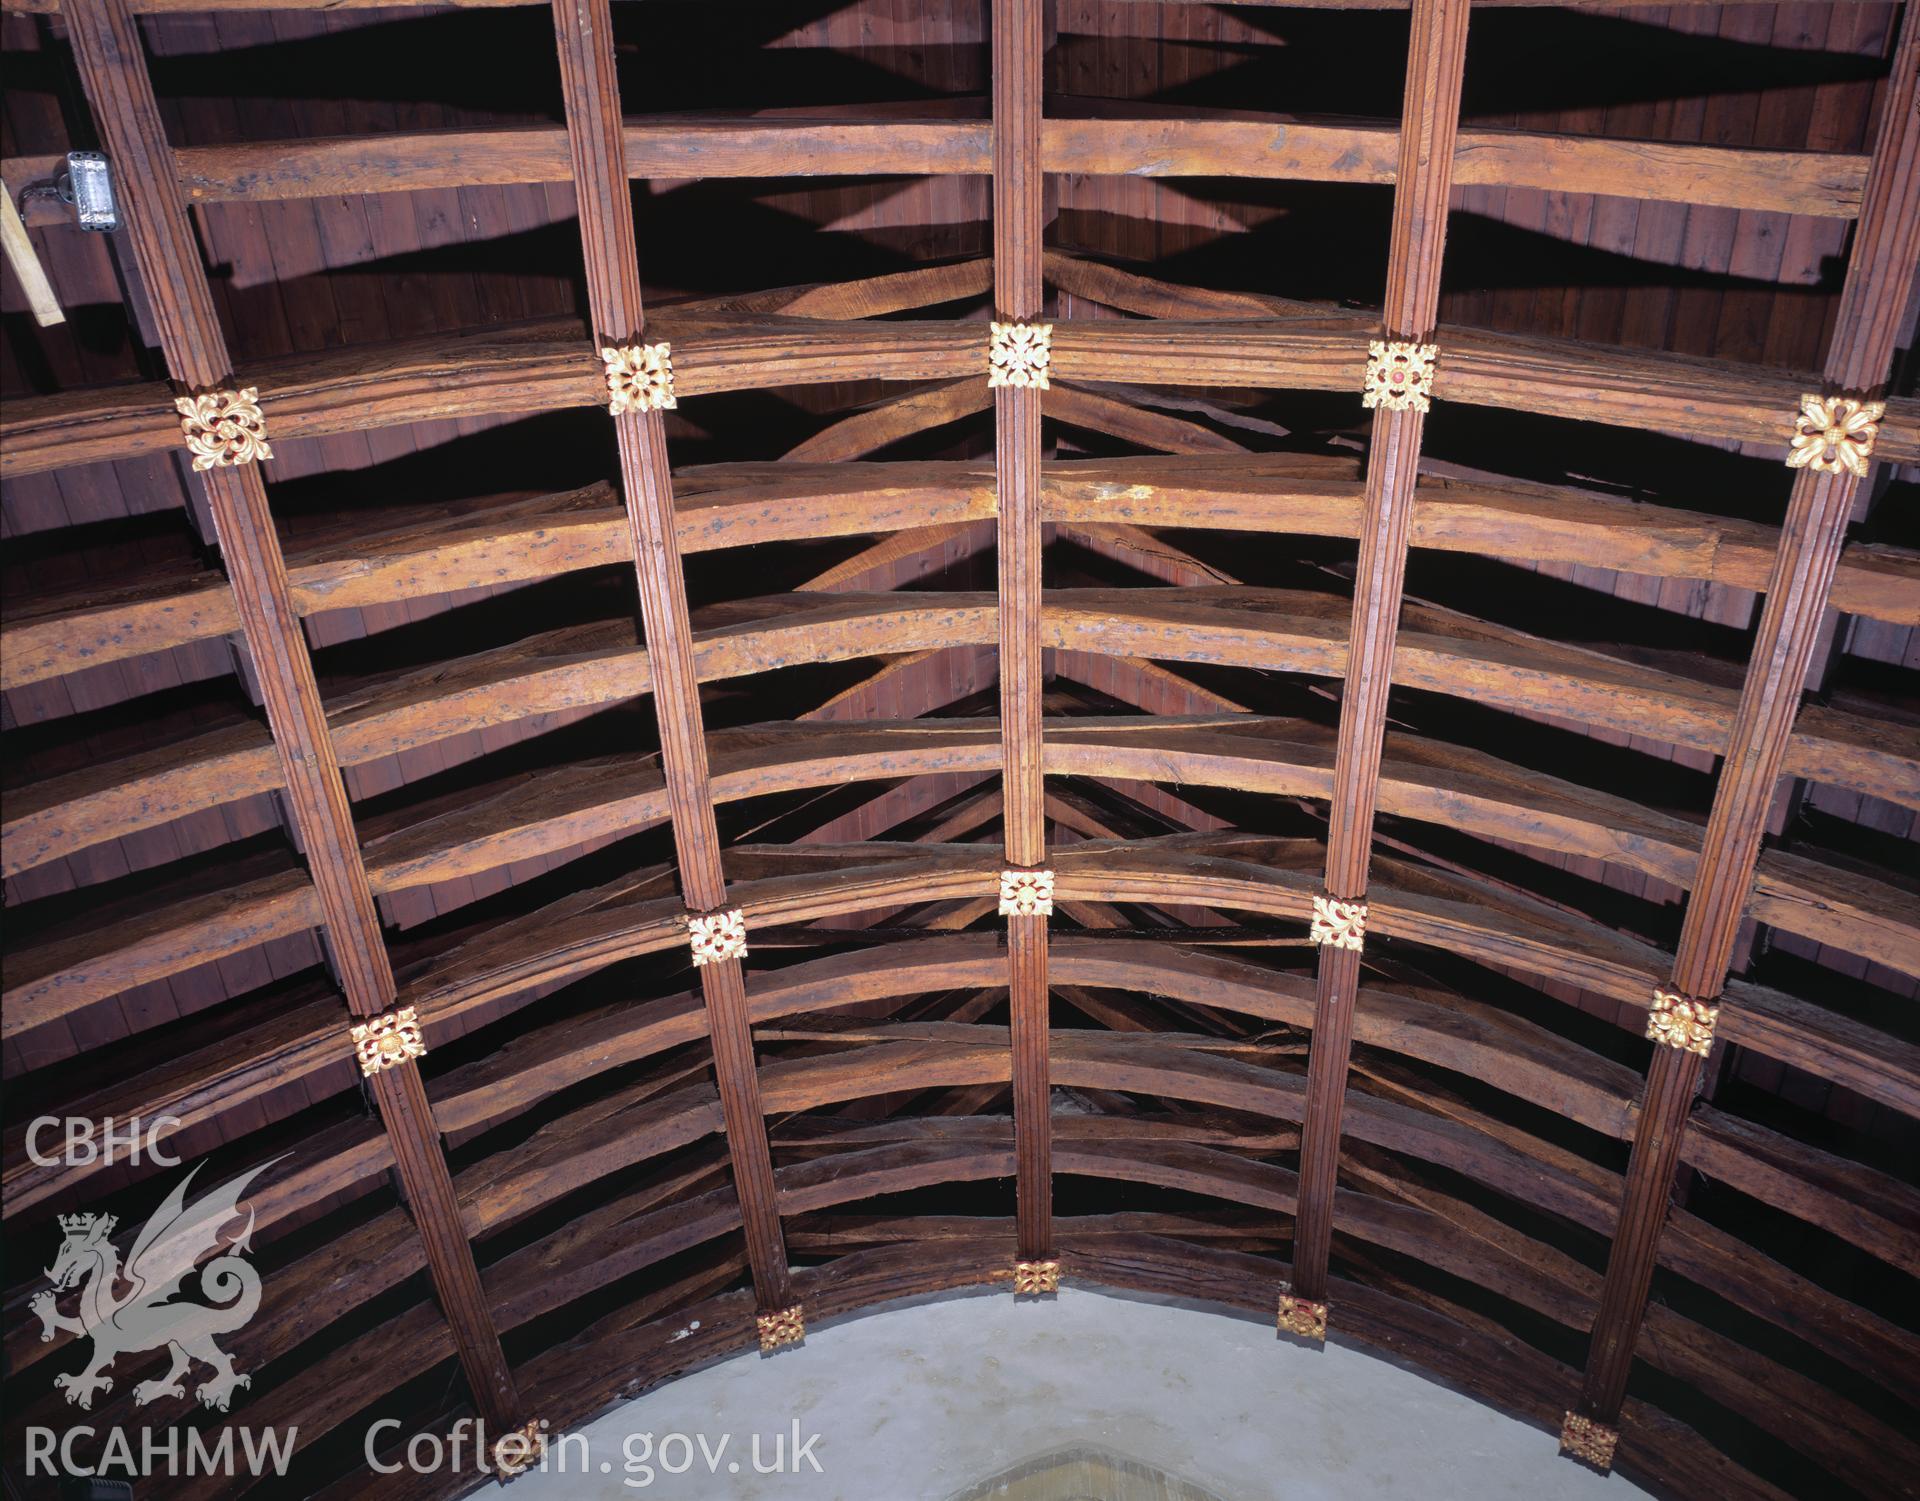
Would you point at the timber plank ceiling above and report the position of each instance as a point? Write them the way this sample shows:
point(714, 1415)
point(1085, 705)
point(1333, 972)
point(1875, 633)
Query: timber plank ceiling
point(1406, 782)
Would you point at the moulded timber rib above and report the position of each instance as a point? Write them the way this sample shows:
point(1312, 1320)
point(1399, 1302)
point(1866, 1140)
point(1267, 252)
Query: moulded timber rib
point(637, 1151)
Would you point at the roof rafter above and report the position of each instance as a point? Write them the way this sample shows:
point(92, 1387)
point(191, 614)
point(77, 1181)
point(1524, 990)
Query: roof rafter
point(1435, 66)
point(1018, 42)
point(584, 30)
point(547, 366)
point(1880, 276)
point(112, 61)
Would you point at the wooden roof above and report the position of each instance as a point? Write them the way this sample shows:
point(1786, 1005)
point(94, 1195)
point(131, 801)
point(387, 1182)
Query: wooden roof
point(1408, 785)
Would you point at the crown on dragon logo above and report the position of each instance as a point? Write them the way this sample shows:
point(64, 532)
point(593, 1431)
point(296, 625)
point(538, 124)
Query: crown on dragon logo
point(179, 1240)
point(78, 1224)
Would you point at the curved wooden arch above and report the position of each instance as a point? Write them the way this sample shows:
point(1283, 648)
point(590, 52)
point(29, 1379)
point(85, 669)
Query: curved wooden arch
point(672, 1123)
point(522, 1289)
point(736, 505)
point(1448, 1032)
point(547, 366)
point(1480, 922)
point(591, 666)
point(1494, 1367)
point(1094, 1060)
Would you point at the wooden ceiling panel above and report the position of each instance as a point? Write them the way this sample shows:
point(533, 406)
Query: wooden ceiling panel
point(467, 700)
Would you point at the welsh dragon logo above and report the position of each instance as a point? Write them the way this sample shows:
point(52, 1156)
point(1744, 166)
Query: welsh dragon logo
point(147, 1315)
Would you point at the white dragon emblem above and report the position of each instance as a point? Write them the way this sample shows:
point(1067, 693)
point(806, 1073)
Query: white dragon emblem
point(168, 1246)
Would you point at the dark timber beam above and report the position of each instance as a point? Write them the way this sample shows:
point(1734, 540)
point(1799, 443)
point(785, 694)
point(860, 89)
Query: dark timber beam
point(108, 50)
point(546, 366)
point(1192, 143)
point(160, 7)
point(1435, 62)
point(584, 29)
point(1018, 43)
point(1886, 251)
point(725, 506)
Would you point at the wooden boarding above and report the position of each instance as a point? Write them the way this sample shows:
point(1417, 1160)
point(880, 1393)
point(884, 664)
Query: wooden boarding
point(1443, 1103)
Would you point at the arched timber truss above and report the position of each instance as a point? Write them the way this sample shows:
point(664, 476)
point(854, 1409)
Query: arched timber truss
point(1286, 941)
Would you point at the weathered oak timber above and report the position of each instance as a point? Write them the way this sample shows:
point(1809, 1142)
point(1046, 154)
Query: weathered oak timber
point(1880, 277)
point(1197, 143)
point(1431, 1029)
point(579, 667)
point(1479, 922)
point(1436, 62)
point(624, 1240)
point(633, 1236)
point(1477, 795)
point(609, 1157)
point(584, 29)
point(739, 505)
point(545, 366)
point(111, 58)
point(67, 972)
point(1018, 42)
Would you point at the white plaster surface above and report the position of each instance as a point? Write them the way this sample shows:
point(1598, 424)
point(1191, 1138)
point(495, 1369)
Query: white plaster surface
point(922, 1401)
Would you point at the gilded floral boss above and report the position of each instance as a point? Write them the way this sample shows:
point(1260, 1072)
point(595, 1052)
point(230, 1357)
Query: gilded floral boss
point(1019, 355)
point(1399, 375)
point(388, 1040)
point(224, 429)
point(1832, 434)
point(639, 378)
point(784, 1326)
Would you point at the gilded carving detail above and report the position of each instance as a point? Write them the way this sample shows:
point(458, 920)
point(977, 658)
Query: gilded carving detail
point(387, 1041)
point(1583, 1438)
point(1399, 375)
point(1032, 1278)
point(1342, 924)
point(1303, 1317)
point(1832, 434)
point(1026, 893)
point(1682, 1023)
point(717, 935)
point(639, 378)
point(1020, 355)
point(519, 1451)
point(786, 1326)
point(224, 428)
